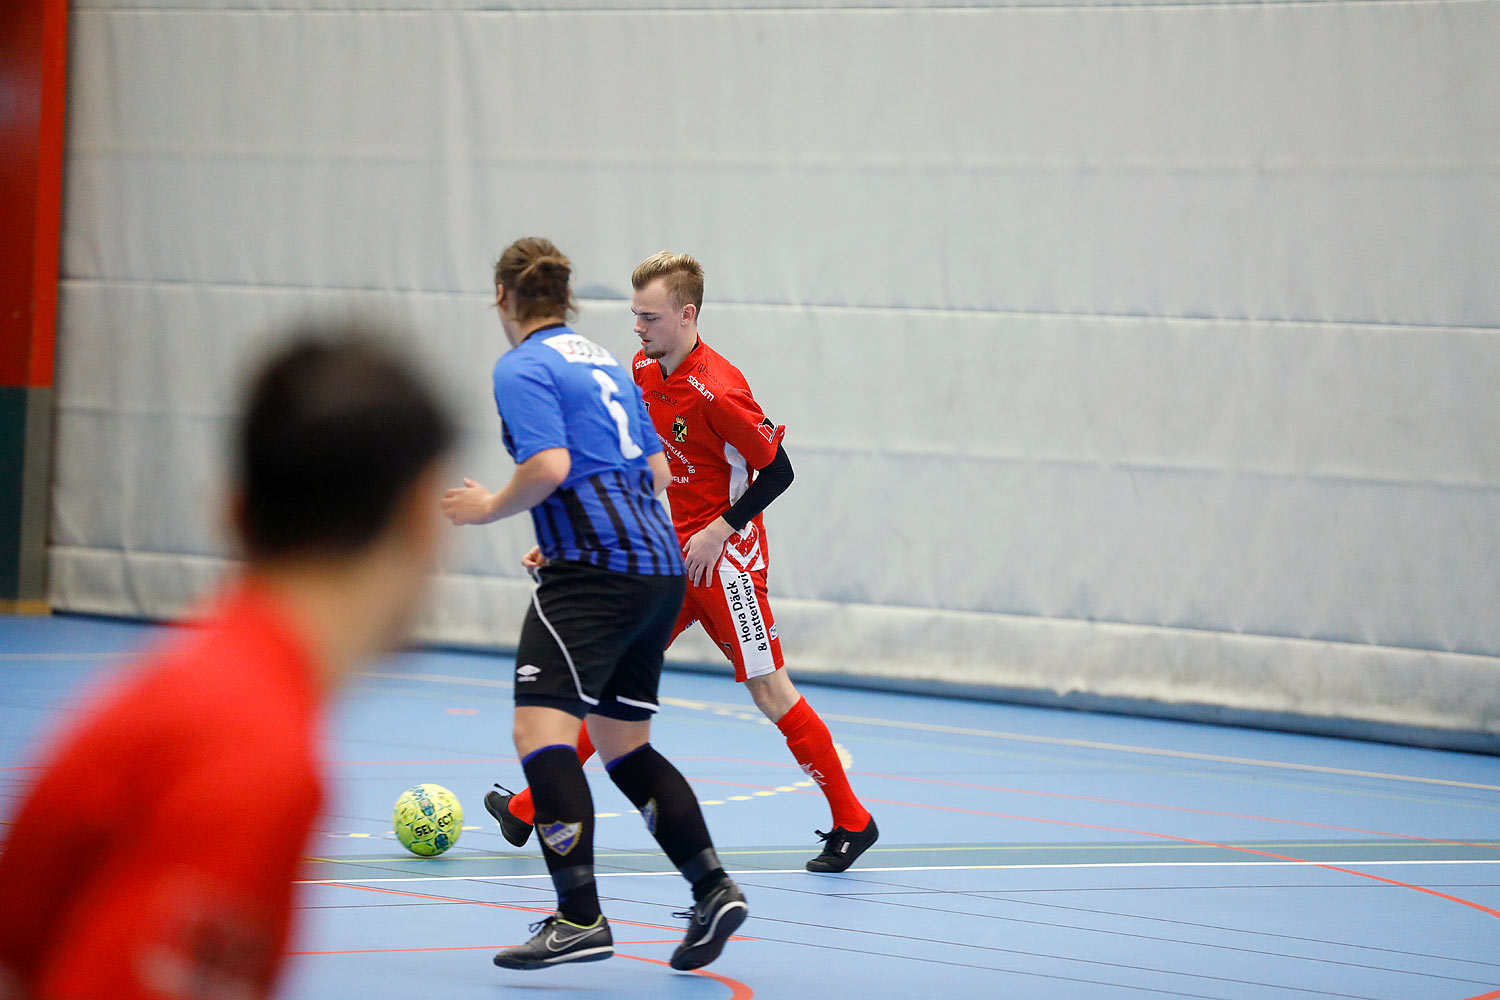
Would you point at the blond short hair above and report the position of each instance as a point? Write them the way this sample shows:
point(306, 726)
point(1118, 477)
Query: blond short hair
point(683, 276)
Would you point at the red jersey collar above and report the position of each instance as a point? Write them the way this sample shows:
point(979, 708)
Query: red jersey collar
point(249, 605)
point(697, 346)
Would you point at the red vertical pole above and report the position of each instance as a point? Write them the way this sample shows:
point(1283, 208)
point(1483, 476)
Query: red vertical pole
point(33, 78)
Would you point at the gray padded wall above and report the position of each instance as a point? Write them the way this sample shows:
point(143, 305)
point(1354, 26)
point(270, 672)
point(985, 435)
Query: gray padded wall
point(1131, 354)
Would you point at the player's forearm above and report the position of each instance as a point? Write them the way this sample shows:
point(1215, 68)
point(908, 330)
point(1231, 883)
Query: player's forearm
point(769, 484)
point(661, 476)
point(535, 480)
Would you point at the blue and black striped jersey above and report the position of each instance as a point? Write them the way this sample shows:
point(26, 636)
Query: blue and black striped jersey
point(557, 389)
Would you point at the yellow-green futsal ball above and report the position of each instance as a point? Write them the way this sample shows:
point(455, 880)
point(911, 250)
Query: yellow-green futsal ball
point(427, 819)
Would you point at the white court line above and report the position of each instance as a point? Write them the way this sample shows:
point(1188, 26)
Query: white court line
point(1154, 751)
point(927, 727)
point(438, 679)
point(922, 868)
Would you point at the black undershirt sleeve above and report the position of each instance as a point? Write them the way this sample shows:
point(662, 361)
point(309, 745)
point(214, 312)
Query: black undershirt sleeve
point(769, 484)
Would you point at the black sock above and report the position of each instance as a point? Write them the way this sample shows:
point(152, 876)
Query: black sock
point(565, 827)
point(671, 812)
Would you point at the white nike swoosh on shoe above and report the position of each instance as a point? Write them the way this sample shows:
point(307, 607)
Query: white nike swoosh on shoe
point(556, 942)
point(717, 916)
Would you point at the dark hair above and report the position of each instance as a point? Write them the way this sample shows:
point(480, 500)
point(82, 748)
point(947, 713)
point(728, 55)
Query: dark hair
point(335, 429)
point(536, 273)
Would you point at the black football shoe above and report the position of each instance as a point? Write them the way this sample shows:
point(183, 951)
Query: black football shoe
point(842, 848)
point(558, 942)
point(711, 921)
point(498, 805)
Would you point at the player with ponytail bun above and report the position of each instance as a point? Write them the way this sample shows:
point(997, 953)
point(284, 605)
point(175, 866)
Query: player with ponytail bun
point(609, 586)
point(537, 274)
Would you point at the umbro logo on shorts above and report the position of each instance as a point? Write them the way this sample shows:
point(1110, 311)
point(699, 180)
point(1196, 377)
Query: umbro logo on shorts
point(527, 673)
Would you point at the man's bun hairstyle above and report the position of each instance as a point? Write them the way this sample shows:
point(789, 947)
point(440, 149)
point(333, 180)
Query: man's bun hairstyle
point(538, 275)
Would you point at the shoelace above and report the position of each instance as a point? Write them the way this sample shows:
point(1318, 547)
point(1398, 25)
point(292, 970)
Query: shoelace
point(502, 788)
point(542, 923)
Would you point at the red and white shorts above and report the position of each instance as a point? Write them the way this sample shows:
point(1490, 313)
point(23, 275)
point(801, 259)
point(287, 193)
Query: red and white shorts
point(734, 611)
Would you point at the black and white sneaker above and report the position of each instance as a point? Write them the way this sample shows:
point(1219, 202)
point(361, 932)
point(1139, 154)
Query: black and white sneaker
point(711, 921)
point(842, 848)
point(514, 830)
point(558, 941)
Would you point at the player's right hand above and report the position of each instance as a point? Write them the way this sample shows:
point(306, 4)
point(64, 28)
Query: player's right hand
point(534, 559)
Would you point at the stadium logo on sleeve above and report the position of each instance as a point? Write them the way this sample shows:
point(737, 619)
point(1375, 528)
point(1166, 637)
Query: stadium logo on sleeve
point(560, 838)
point(679, 429)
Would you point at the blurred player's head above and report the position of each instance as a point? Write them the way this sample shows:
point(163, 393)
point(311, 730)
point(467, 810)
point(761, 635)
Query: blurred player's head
point(668, 298)
point(337, 462)
point(531, 286)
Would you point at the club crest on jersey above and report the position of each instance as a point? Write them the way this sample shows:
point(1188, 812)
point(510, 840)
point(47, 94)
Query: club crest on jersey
point(560, 838)
point(648, 815)
point(679, 429)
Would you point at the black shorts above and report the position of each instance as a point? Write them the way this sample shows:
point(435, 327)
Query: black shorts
point(594, 639)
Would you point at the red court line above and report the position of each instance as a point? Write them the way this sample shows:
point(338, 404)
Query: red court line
point(1184, 809)
point(737, 989)
point(1189, 840)
point(456, 760)
point(747, 784)
point(1089, 798)
point(397, 951)
point(1495, 995)
point(458, 947)
point(546, 911)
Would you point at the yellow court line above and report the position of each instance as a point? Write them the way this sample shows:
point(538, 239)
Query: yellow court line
point(932, 727)
point(928, 727)
point(867, 870)
point(438, 679)
point(1249, 845)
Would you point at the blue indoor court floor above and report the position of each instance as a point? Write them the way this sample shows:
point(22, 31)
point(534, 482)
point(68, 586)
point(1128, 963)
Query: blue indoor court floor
point(1025, 853)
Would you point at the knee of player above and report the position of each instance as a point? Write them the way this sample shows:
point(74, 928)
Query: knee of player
point(773, 693)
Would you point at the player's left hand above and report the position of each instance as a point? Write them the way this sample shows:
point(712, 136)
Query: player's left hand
point(467, 504)
point(701, 554)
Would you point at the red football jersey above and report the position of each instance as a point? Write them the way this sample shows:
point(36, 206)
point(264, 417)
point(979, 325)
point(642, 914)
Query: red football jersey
point(716, 438)
point(153, 856)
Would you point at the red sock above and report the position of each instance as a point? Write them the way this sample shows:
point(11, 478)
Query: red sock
point(520, 806)
point(812, 745)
